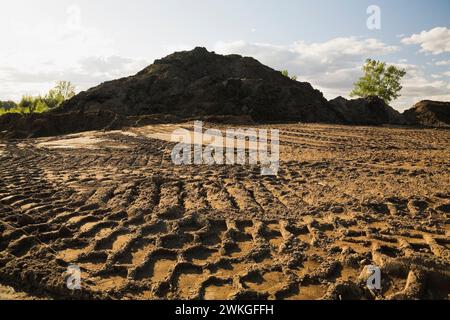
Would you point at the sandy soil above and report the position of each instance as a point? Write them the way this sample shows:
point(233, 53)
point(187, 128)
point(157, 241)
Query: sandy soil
point(8, 293)
point(141, 228)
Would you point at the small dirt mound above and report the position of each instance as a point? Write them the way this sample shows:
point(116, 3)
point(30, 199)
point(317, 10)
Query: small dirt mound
point(17, 126)
point(366, 111)
point(429, 113)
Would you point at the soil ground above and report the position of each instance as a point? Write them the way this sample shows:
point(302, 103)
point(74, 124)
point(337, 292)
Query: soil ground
point(140, 227)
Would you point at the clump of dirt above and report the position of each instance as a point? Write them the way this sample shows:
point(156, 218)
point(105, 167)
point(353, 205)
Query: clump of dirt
point(430, 113)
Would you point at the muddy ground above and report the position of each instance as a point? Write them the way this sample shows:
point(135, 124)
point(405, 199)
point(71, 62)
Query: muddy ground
point(141, 228)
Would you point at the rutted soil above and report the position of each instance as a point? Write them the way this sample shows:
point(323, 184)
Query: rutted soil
point(141, 228)
point(8, 293)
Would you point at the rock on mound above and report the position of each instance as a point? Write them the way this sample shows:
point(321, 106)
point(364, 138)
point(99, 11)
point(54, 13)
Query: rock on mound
point(199, 83)
point(366, 111)
point(429, 113)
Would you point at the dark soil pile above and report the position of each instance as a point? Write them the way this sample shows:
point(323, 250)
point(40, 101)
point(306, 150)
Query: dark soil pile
point(201, 83)
point(429, 113)
point(50, 124)
point(366, 111)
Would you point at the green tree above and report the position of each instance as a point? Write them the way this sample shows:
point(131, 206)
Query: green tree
point(53, 99)
point(64, 88)
point(7, 105)
point(40, 105)
point(286, 74)
point(379, 80)
point(61, 92)
point(27, 104)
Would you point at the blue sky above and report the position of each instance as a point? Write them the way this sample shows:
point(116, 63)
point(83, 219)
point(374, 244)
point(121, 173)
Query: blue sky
point(323, 42)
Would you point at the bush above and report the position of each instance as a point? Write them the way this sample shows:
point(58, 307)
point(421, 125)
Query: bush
point(286, 74)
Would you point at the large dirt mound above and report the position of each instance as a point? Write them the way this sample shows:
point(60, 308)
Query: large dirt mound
point(201, 83)
point(366, 111)
point(430, 113)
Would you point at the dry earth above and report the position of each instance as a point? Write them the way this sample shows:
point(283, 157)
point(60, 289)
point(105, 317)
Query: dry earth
point(142, 228)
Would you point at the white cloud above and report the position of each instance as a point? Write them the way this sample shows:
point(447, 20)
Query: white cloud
point(417, 86)
point(44, 52)
point(435, 41)
point(443, 63)
point(332, 64)
point(111, 66)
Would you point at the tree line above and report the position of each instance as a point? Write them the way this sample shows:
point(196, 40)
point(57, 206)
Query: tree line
point(28, 104)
